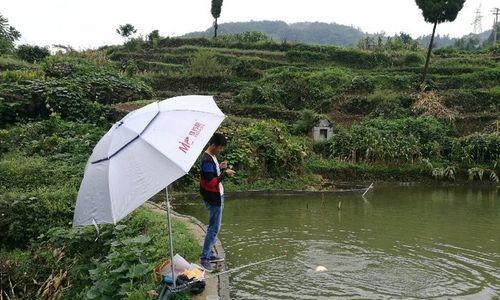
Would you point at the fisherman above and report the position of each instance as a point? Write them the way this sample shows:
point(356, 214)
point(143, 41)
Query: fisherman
point(212, 174)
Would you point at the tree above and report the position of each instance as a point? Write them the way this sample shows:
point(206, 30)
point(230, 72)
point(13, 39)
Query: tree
point(155, 34)
point(154, 38)
point(8, 35)
point(32, 53)
point(126, 30)
point(405, 38)
point(216, 9)
point(437, 11)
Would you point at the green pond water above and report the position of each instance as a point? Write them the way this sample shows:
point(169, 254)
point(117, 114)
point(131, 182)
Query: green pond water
point(401, 242)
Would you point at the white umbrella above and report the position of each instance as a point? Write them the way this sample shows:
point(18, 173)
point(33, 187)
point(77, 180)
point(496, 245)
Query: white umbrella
point(143, 153)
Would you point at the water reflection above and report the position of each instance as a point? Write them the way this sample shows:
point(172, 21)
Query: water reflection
point(411, 242)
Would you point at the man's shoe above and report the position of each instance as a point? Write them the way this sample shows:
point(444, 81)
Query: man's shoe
point(206, 265)
point(215, 258)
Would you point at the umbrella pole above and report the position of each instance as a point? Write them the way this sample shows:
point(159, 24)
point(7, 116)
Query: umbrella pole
point(170, 237)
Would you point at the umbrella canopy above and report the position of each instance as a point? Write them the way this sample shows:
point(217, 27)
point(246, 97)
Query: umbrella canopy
point(143, 153)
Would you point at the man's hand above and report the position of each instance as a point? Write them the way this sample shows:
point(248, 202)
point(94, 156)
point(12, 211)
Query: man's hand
point(230, 172)
point(223, 165)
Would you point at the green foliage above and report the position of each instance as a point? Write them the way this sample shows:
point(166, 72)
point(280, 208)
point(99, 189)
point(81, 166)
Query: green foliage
point(8, 35)
point(154, 37)
point(477, 148)
point(32, 53)
point(126, 30)
point(439, 11)
point(41, 164)
point(74, 89)
point(21, 75)
point(403, 41)
point(216, 8)
point(471, 42)
point(303, 32)
point(361, 84)
point(131, 68)
point(129, 265)
point(205, 64)
point(117, 265)
point(38, 99)
point(478, 173)
point(8, 62)
point(26, 215)
point(52, 138)
point(392, 141)
point(378, 104)
point(294, 89)
point(265, 149)
point(306, 122)
point(245, 37)
point(338, 170)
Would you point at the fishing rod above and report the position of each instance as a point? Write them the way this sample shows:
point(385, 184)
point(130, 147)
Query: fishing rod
point(285, 254)
point(183, 287)
point(367, 189)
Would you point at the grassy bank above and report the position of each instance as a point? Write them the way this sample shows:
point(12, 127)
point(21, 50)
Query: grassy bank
point(42, 256)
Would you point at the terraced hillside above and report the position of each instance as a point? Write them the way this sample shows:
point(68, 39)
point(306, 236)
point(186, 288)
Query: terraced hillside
point(275, 78)
point(298, 84)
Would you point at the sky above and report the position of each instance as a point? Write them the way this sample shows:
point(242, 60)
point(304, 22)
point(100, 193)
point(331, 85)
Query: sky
point(86, 24)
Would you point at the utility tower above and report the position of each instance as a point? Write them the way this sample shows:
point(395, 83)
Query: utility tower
point(496, 12)
point(478, 28)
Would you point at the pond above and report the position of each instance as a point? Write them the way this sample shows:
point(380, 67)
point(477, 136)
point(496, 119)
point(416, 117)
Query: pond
point(411, 242)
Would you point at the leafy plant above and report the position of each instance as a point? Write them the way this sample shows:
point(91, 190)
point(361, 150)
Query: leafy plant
point(32, 53)
point(8, 35)
point(126, 30)
point(306, 122)
point(205, 63)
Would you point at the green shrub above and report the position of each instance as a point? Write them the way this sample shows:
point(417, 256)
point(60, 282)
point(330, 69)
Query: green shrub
point(477, 148)
point(137, 247)
point(53, 138)
point(32, 53)
point(294, 89)
point(266, 149)
point(245, 37)
point(306, 122)
point(73, 96)
point(187, 83)
point(483, 79)
point(305, 56)
point(391, 141)
point(26, 215)
point(131, 68)
point(245, 69)
point(361, 84)
point(21, 172)
point(20, 75)
point(86, 268)
point(205, 64)
point(11, 63)
point(260, 111)
point(38, 99)
point(379, 104)
point(472, 100)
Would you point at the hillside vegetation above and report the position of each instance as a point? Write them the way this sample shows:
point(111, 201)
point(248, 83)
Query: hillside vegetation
point(385, 127)
point(324, 33)
point(54, 108)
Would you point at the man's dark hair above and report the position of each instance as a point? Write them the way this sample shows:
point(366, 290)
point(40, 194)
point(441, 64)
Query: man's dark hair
point(218, 139)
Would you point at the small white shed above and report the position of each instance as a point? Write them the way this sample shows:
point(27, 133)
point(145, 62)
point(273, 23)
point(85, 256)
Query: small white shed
point(322, 131)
